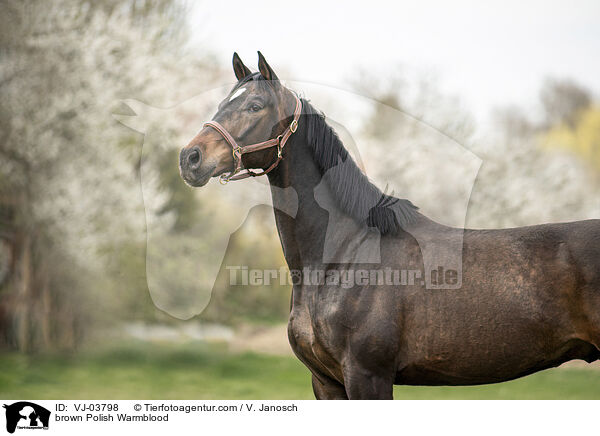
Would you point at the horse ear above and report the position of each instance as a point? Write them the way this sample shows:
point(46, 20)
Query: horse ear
point(239, 68)
point(265, 70)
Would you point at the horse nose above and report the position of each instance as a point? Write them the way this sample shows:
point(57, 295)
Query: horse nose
point(191, 158)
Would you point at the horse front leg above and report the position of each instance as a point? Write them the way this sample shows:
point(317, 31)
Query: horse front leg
point(328, 389)
point(363, 384)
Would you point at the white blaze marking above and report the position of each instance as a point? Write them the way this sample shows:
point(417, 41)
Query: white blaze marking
point(237, 93)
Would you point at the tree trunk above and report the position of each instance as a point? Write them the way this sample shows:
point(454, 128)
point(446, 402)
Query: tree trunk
point(23, 297)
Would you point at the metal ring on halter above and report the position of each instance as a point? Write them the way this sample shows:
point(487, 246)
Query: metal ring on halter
point(223, 179)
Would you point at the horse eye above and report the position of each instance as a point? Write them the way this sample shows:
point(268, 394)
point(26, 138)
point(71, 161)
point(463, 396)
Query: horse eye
point(255, 108)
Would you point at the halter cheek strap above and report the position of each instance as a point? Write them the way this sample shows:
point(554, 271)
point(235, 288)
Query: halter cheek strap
point(239, 172)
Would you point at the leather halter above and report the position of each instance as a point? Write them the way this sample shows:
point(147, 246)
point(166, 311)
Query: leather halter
point(238, 172)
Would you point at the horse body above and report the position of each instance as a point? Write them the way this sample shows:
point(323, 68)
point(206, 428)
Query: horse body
point(524, 306)
point(528, 298)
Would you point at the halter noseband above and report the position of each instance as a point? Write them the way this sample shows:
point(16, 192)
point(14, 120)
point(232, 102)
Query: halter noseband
point(238, 172)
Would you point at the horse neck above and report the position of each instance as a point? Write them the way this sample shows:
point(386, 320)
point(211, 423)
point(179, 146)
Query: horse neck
point(301, 236)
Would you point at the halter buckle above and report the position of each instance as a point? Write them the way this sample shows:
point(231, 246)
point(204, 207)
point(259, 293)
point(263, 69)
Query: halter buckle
point(294, 126)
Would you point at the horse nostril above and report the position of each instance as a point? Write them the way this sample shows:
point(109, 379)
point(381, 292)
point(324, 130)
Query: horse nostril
point(194, 157)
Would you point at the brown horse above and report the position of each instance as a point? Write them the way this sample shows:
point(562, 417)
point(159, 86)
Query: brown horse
point(521, 300)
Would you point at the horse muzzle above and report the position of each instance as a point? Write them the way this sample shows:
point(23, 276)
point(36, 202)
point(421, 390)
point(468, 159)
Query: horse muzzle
point(194, 170)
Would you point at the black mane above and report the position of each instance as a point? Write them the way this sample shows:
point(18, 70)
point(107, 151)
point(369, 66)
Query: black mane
point(355, 194)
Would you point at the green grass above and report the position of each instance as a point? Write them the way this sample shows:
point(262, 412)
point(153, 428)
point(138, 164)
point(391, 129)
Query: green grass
point(552, 384)
point(201, 371)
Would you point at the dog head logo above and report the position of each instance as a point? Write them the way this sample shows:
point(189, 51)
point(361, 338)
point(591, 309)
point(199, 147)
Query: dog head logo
point(26, 415)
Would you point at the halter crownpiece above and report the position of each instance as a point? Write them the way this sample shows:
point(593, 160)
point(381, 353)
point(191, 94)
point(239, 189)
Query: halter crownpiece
point(240, 173)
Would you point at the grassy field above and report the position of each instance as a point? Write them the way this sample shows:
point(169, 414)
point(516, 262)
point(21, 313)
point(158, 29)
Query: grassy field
point(201, 371)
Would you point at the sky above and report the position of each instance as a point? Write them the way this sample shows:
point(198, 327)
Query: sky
point(489, 54)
